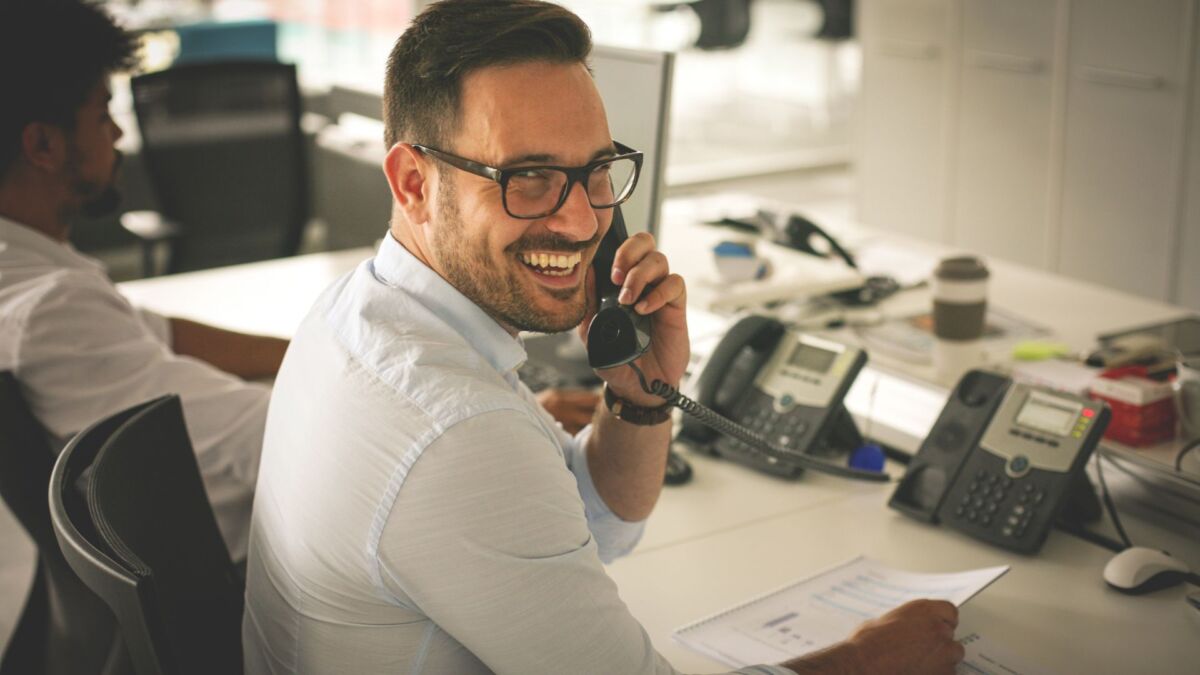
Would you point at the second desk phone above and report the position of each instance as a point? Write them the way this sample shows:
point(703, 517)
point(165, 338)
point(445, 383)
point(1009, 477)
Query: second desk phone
point(1001, 460)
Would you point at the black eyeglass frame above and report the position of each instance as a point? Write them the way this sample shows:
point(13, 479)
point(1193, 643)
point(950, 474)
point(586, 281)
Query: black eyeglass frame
point(575, 174)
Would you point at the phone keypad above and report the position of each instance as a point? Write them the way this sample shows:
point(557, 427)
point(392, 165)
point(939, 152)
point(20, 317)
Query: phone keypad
point(784, 429)
point(995, 499)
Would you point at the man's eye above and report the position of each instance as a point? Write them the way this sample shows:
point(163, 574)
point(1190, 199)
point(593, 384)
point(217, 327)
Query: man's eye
point(530, 174)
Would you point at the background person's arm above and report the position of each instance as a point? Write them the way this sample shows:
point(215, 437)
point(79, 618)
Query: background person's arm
point(249, 357)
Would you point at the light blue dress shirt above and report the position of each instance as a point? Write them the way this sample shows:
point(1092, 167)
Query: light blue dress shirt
point(417, 511)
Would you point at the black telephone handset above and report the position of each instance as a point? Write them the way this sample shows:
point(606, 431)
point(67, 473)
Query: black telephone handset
point(618, 336)
point(1003, 461)
point(731, 369)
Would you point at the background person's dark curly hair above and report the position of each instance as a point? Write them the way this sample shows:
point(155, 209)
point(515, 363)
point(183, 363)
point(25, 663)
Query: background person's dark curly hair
point(52, 54)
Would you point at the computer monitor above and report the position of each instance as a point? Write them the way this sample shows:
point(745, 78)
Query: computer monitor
point(635, 85)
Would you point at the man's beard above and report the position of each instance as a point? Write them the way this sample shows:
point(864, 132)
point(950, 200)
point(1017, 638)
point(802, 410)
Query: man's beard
point(104, 204)
point(500, 291)
point(100, 199)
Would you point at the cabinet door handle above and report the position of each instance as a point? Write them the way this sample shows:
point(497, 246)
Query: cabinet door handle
point(1009, 62)
point(1122, 78)
point(909, 49)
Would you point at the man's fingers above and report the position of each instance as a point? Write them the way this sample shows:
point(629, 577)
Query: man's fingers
point(670, 291)
point(629, 253)
point(651, 268)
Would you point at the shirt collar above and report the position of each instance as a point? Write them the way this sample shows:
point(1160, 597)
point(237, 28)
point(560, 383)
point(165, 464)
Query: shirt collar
point(396, 267)
point(13, 235)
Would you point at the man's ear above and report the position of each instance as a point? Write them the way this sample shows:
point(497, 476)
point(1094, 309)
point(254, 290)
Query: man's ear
point(44, 145)
point(409, 175)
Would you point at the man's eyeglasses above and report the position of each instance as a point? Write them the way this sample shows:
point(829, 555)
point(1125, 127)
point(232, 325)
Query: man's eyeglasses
point(538, 191)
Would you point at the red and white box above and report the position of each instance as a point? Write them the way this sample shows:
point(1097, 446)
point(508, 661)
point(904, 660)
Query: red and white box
point(1143, 410)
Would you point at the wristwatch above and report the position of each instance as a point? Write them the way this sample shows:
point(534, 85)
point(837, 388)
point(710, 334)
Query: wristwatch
point(635, 414)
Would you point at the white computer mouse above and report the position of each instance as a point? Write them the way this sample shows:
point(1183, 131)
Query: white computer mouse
point(1140, 570)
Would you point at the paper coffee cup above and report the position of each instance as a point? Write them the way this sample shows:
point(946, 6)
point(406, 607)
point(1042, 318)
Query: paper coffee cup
point(959, 313)
point(1187, 396)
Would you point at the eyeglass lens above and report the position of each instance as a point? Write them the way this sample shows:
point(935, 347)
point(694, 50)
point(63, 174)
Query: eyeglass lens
point(537, 192)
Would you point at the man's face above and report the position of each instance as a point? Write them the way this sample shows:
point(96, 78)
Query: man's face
point(526, 114)
point(93, 160)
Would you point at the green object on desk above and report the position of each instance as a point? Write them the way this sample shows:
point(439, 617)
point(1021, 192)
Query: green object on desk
point(1038, 350)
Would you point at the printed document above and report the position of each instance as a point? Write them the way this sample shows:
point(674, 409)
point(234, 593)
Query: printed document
point(822, 610)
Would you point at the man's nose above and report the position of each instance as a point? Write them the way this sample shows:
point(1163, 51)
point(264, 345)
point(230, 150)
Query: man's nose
point(576, 219)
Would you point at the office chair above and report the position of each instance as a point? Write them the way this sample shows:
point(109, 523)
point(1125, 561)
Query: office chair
point(226, 157)
point(64, 627)
point(724, 24)
point(144, 538)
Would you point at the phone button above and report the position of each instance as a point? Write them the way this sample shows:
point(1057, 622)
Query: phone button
point(1017, 466)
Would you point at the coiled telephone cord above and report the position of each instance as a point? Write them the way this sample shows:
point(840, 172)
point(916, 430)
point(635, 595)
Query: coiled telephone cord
point(715, 420)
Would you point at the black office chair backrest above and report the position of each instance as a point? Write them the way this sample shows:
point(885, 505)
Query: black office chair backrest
point(147, 542)
point(724, 24)
point(226, 157)
point(64, 627)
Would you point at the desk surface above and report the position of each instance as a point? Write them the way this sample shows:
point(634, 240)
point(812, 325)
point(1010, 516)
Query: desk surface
point(731, 534)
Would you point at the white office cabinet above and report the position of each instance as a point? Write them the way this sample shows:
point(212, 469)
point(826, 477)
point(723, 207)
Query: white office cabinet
point(907, 71)
point(1124, 142)
point(1066, 138)
point(1002, 157)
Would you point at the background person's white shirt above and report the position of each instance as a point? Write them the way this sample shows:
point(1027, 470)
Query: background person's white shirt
point(81, 352)
point(417, 511)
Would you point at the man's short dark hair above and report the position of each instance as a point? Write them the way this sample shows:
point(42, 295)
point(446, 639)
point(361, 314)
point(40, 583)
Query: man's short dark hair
point(52, 55)
point(453, 38)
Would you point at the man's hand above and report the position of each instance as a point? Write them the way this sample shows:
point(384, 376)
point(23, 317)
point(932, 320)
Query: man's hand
point(644, 276)
point(572, 408)
point(916, 638)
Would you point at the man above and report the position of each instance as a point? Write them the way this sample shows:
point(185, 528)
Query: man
point(78, 348)
point(416, 510)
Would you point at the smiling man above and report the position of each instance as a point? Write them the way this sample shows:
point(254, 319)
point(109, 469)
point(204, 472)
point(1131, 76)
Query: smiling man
point(416, 510)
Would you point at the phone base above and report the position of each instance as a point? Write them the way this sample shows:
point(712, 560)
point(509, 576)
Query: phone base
point(840, 438)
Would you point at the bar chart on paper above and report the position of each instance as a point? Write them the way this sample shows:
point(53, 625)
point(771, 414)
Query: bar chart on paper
point(821, 610)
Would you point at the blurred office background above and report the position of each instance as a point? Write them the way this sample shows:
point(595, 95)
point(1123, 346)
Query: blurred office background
point(1060, 134)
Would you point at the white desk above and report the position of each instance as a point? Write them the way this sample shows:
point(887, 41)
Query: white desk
point(731, 534)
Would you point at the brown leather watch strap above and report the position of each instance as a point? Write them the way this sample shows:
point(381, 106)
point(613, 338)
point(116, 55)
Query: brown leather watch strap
point(635, 414)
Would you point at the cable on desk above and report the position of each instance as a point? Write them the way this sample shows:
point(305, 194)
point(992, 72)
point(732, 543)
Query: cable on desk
point(1091, 537)
point(1118, 463)
point(1188, 447)
point(1108, 502)
point(748, 436)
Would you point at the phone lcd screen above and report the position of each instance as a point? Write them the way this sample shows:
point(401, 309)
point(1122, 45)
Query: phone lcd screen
point(1049, 416)
point(812, 359)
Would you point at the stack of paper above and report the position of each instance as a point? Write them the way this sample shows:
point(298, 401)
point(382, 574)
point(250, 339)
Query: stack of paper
point(819, 611)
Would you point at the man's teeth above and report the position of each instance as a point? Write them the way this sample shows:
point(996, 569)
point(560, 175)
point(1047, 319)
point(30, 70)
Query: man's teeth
point(554, 264)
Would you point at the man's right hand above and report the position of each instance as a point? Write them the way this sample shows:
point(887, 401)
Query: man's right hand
point(916, 638)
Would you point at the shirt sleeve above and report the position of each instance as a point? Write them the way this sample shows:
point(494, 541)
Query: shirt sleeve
point(614, 537)
point(85, 353)
point(488, 538)
point(157, 324)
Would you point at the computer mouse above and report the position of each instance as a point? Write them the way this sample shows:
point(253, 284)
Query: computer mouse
point(1139, 570)
point(678, 469)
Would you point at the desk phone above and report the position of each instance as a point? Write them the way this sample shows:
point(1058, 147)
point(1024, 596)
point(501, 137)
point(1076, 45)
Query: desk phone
point(784, 389)
point(785, 385)
point(1001, 459)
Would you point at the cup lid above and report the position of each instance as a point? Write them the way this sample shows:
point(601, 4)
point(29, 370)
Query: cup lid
point(961, 268)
